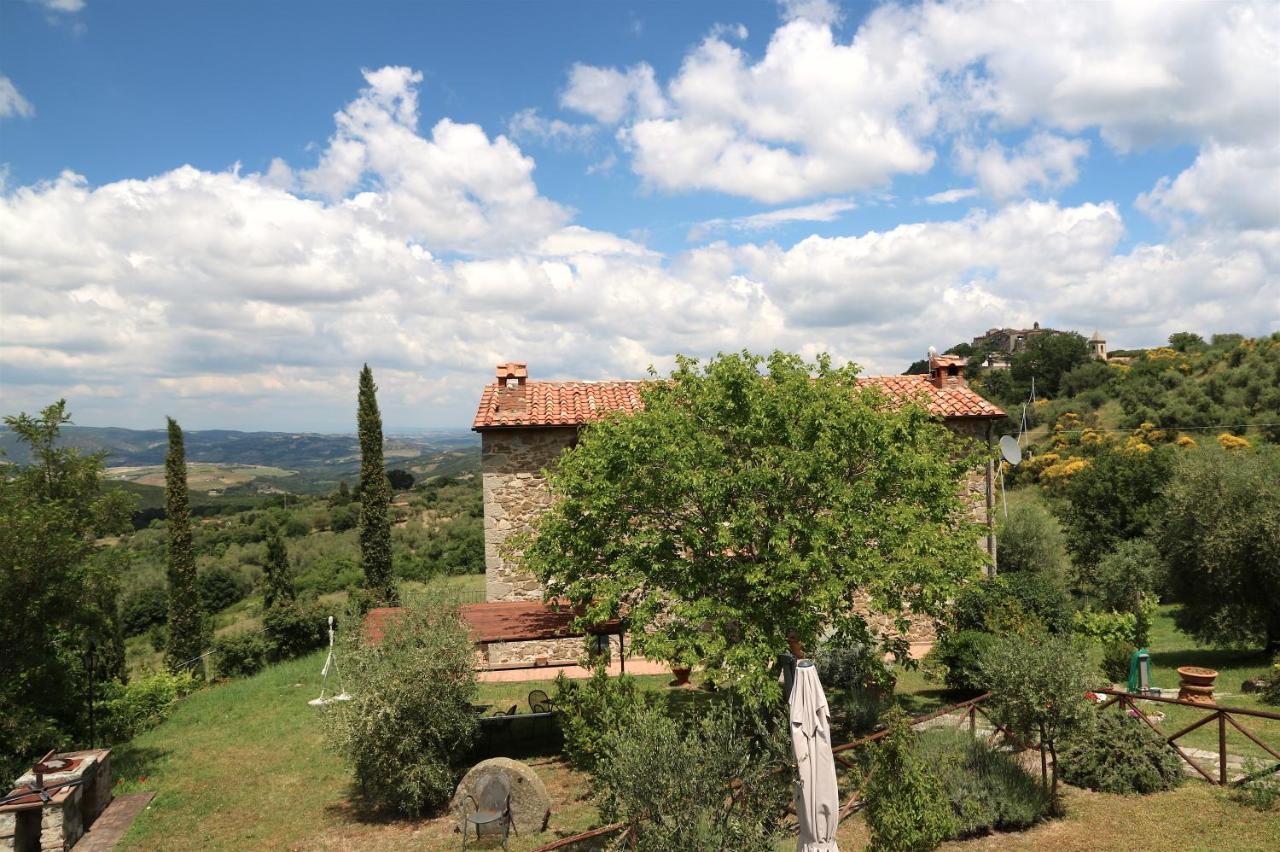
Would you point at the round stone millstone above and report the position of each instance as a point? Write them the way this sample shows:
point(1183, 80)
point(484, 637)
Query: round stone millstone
point(530, 804)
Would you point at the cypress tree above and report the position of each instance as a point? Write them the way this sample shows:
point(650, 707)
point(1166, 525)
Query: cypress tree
point(375, 497)
point(185, 628)
point(278, 588)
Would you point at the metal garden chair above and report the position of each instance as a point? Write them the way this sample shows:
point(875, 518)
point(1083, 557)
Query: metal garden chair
point(489, 807)
point(540, 702)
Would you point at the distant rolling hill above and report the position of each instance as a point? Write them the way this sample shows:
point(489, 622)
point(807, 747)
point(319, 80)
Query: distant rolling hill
point(296, 461)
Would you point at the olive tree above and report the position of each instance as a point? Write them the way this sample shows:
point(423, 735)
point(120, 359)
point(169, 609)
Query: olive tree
point(1220, 538)
point(1038, 686)
point(744, 509)
point(410, 722)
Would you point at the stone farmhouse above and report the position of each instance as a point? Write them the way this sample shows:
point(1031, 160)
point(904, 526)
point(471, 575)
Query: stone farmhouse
point(525, 425)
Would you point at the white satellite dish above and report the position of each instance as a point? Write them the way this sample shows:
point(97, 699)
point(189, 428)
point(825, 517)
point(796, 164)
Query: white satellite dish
point(1010, 451)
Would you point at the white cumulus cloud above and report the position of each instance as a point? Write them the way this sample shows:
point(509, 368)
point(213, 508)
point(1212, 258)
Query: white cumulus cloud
point(12, 102)
point(226, 298)
point(817, 115)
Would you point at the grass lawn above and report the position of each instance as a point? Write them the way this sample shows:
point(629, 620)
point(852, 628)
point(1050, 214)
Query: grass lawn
point(245, 765)
point(1171, 648)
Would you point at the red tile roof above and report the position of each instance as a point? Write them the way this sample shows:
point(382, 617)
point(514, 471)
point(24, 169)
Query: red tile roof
point(518, 621)
point(552, 404)
point(952, 402)
point(499, 621)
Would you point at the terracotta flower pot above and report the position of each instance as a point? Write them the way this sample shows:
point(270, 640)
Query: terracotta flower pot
point(1197, 676)
point(681, 674)
point(1197, 684)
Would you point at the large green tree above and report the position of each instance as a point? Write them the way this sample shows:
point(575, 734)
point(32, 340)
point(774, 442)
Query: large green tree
point(742, 509)
point(1047, 358)
point(1114, 499)
point(375, 497)
point(1220, 536)
point(58, 596)
point(186, 629)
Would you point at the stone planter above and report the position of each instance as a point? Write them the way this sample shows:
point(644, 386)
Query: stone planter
point(1196, 684)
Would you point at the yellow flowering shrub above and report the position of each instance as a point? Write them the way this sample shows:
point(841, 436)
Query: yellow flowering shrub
point(1233, 442)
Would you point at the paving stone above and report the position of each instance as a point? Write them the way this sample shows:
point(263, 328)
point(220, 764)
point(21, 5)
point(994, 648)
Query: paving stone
point(108, 828)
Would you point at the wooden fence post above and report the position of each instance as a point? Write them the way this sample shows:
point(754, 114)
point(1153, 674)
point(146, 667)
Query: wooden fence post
point(1222, 748)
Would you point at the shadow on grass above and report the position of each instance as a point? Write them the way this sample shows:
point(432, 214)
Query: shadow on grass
point(131, 762)
point(1210, 658)
point(927, 700)
point(359, 808)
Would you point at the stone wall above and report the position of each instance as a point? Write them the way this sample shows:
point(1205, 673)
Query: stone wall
point(550, 651)
point(515, 493)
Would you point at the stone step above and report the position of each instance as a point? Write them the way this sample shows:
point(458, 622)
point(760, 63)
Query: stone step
point(112, 823)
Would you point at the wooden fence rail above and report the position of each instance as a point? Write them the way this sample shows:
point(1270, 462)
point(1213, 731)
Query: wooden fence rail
point(1223, 715)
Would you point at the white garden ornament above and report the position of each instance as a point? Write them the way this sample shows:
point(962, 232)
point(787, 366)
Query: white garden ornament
point(330, 664)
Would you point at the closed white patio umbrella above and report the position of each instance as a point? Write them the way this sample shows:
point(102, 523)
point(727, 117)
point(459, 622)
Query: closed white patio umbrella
point(817, 797)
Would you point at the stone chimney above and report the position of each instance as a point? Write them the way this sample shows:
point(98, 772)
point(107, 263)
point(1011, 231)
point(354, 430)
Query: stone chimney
point(946, 371)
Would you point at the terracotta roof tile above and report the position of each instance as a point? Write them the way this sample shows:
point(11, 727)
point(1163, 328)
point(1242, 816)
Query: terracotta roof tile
point(552, 404)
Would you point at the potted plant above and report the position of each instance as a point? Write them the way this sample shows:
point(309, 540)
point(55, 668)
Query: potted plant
point(680, 670)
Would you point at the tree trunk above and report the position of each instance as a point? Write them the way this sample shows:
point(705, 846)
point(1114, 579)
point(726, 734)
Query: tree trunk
point(1044, 765)
point(1053, 794)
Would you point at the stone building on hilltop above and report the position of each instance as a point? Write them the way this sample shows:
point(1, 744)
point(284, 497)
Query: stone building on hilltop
point(1010, 340)
point(525, 425)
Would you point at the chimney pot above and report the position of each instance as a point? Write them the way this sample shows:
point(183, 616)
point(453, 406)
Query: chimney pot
point(517, 370)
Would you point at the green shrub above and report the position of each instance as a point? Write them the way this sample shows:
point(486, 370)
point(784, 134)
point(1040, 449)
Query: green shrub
point(1127, 573)
point(144, 609)
point(1118, 754)
point(591, 711)
point(345, 517)
point(1014, 603)
point(859, 684)
point(1271, 692)
point(987, 788)
point(329, 574)
point(1115, 660)
point(1106, 627)
point(857, 710)
point(218, 589)
point(959, 655)
point(292, 629)
point(126, 710)
point(410, 723)
point(1262, 791)
point(848, 662)
point(670, 780)
point(241, 654)
point(1031, 542)
point(907, 807)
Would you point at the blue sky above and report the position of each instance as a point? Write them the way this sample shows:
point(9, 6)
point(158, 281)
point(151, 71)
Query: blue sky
point(220, 211)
